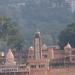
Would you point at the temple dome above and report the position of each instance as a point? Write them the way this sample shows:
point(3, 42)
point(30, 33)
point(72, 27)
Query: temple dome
point(31, 48)
point(44, 47)
point(68, 46)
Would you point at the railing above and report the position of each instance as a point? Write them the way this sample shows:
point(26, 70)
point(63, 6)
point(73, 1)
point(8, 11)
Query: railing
point(13, 69)
point(3, 70)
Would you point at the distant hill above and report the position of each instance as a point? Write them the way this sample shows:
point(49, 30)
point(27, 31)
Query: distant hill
point(47, 16)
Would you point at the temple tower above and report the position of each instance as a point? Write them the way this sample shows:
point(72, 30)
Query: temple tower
point(37, 46)
point(10, 58)
point(68, 51)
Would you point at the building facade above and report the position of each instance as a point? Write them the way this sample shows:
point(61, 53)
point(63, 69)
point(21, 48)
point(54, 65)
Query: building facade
point(11, 68)
point(41, 59)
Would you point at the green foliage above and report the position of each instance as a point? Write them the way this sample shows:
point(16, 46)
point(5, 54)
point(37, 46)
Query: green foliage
point(10, 34)
point(67, 35)
point(46, 15)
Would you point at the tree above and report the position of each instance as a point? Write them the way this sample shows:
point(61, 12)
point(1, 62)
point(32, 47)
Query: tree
point(67, 35)
point(10, 34)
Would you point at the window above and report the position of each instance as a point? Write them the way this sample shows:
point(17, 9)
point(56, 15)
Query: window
point(33, 66)
point(67, 58)
point(73, 52)
point(73, 58)
point(41, 66)
point(29, 56)
point(45, 56)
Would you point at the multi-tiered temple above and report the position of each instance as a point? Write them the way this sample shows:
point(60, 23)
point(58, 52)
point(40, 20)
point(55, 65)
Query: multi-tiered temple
point(40, 61)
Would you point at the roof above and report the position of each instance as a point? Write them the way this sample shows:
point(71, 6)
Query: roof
point(68, 45)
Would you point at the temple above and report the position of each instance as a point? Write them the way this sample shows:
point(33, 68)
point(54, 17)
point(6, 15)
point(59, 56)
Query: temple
point(41, 60)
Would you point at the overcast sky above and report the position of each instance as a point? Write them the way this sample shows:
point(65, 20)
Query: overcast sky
point(72, 3)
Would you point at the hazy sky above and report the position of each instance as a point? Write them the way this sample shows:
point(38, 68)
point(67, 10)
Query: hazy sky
point(72, 3)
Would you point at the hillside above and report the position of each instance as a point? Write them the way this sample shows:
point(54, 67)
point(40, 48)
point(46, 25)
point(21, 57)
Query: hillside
point(47, 16)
